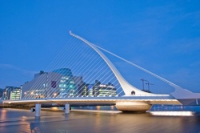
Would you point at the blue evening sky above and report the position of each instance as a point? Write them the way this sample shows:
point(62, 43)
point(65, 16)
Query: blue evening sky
point(162, 36)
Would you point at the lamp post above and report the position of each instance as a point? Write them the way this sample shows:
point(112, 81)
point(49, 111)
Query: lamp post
point(148, 84)
point(143, 83)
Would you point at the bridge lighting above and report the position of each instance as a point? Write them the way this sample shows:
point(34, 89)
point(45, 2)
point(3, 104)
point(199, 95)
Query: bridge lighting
point(98, 107)
point(54, 108)
point(54, 94)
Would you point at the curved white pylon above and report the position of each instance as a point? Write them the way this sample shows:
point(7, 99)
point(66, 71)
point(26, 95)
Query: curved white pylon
point(127, 88)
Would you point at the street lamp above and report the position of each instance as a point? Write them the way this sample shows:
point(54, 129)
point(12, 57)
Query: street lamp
point(143, 83)
point(148, 84)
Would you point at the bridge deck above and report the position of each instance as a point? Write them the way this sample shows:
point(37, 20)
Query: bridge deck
point(98, 100)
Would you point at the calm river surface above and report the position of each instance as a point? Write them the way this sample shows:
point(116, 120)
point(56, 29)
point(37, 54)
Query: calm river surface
point(23, 121)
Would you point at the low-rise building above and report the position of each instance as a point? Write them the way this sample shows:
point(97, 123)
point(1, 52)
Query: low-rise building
point(12, 93)
point(101, 90)
point(106, 90)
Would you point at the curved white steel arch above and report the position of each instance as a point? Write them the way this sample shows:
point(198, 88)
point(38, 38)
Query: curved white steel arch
point(127, 88)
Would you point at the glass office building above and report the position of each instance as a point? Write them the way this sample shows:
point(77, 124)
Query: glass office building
point(12, 93)
point(106, 90)
point(101, 90)
point(67, 86)
point(58, 83)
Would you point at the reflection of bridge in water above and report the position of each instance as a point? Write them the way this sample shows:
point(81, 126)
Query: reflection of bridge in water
point(133, 99)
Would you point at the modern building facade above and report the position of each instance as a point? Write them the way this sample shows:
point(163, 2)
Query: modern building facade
point(67, 86)
point(41, 86)
point(58, 83)
point(1, 93)
point(101, 90)
point(90, 90)
point(107, 90)
point(80, 86)
point(85, 90)
point(12, 93)
point(61, 83)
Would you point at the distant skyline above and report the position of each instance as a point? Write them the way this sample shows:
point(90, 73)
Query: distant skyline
point(161, 36)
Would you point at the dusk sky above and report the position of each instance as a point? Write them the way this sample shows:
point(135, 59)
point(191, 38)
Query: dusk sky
point(162, 36)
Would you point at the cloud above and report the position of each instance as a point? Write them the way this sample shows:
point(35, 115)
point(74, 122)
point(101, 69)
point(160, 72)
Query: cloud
point(9, 66)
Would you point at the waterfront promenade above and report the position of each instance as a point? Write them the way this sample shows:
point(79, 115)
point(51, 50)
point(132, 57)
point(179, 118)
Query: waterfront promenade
point(23, 121)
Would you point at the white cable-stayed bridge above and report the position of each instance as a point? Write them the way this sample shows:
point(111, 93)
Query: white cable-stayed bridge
point(45, 88)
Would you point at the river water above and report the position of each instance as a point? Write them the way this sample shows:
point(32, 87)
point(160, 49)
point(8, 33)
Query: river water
point(23, 121)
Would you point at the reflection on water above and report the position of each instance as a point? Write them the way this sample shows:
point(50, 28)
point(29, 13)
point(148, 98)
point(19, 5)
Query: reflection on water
point(34, 126)
point(3, 114)
point(18, 121)
point(153, 108)
point(174, 110)
point(112, 108)
point(156, 110)
point(172, 113)
point(106, 108)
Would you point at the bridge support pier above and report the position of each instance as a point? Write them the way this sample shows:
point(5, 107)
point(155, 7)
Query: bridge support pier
point(133, 106)
point(67, 108)
point(37, 110)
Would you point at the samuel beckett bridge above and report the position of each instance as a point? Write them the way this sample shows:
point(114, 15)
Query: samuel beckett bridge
point(96, 83)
